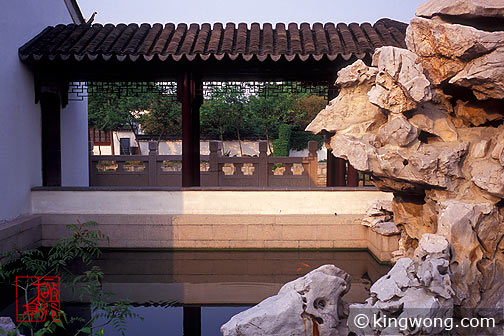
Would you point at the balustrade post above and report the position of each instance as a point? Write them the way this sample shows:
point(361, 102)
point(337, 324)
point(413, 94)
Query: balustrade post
point(313, 166)
point(263, 164)
point(92, 168)
point(153, 169)
point(213, 164)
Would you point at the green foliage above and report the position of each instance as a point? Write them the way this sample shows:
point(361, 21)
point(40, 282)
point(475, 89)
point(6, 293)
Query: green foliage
point(306, 109)
point(268, 113)
point(82, 246)
point(229, 113)
point(223, 115)
point(299, 140)
point(281, 145)
point(164, 117)
point(109, 111)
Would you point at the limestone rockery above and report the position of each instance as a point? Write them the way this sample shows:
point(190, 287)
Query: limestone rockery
point(427, 122)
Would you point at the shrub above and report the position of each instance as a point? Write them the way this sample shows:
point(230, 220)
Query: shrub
point(281, 145)
point(81, 246)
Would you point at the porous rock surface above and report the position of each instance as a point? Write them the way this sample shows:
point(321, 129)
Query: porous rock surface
point(462, 8)
point(438, 145)
point(7, 326)
point(417, 286)
point(380, 218)
point(310, 305)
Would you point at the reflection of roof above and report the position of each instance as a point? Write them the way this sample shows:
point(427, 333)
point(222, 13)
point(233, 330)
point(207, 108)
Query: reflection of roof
point(204, 42)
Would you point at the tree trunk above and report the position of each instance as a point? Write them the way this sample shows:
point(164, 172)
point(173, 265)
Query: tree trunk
point(267, 139)
point(239, 141)
point(136, 139)
point(222, 138)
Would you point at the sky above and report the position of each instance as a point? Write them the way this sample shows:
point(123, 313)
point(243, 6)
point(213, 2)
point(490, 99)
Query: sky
point(211, 11)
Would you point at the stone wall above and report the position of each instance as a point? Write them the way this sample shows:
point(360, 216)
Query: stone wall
point(427, 121)
point(227, 232)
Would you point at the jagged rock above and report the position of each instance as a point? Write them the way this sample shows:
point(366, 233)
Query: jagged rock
point(412, 288)
point(433, 165)
point(416, 216)
point(380, 208)
point(484, 76)
point(7, 326)
point(355, 113)
point(397, 186)
point(398, 132)
point(432, 246)
point(488, 176)
point(400, 83)
point(498, 150)
point(379, 218)
point(310, 304)
point(464, 8)
point(357, 73)
point(457, 222)
point(444, 49)
point(433, 38)
point(480, 149)
point(441, 152)
point(386, 228)
point(477, 114)
point(354, 150)
point(432, 119)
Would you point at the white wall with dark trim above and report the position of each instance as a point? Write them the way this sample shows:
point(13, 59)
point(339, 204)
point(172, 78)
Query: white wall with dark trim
point(20, 128)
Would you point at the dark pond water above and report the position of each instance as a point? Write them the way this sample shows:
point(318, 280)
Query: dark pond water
point(194, 293)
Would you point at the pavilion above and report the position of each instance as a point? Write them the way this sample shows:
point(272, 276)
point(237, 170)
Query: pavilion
point(190, 55)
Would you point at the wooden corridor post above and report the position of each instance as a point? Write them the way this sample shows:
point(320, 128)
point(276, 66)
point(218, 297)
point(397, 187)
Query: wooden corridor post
point(190, 94)
point(263, 164)
point(192, 321)
point(50, 108)
point(336, 167)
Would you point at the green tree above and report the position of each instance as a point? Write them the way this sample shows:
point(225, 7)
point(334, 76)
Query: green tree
point(118, 108)
point(269, 112)
point(306, 109)
point(224, 111)
point(282, 144)
point(163, 118)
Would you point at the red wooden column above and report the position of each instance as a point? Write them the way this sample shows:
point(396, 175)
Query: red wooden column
point(190, 94)
point(336, 167)
point(352, 176)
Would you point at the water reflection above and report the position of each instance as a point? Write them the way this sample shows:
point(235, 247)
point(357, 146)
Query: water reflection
point(195, 292)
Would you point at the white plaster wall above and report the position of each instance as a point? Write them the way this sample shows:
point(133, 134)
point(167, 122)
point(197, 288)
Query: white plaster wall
point(206, 202)
point(103, 150)
point(74, 144)
point(20, 141)
point(321, 154)
point(174, 147)
point(116, 136)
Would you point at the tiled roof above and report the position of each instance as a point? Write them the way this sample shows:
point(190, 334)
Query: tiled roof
point(176, 42)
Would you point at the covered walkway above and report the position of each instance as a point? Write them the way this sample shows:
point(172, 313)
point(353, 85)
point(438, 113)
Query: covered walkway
point(191, 55)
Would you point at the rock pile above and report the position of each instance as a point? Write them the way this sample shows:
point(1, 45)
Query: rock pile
point(310, 305)
point(427, 122)
point(380, 218)
point(415, 287)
